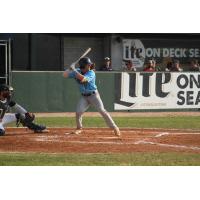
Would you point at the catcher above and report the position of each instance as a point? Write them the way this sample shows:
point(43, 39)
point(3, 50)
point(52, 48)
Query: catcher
point(20, 117)
point(85, 77)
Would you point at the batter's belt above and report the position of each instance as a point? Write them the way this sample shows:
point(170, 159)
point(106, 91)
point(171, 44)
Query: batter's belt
point(88, 94)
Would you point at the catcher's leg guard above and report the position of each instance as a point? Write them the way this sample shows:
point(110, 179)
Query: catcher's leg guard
point(25, 119)
point(28, 122)
point(18, 121)
point(2, 132)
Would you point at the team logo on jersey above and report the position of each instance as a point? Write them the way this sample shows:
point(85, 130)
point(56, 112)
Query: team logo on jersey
point(133, 50)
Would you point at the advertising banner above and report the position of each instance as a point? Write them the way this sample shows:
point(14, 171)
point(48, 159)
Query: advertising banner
point(157, 91)
point(162, 50)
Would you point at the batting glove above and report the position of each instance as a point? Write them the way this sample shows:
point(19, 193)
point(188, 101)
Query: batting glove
point(73, 67)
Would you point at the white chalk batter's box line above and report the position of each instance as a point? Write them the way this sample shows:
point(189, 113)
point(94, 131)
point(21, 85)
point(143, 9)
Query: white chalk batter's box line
point(62, 138)
point(127, 143)
point(158, 134)
point(181, 133)
point(119, 142)
point(168, 145)
point(146, 141)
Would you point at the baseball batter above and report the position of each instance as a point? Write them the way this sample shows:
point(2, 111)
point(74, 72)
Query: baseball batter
point(85, 78)
point(21, 115)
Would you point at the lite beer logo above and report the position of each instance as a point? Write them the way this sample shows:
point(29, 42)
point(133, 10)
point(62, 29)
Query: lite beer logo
point(158, 91)
point(134, 50)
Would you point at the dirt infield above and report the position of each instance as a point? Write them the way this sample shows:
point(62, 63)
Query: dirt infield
point(96, 140)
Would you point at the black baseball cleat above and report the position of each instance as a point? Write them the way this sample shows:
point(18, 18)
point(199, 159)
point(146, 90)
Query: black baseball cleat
point(2, 132)
point(37, 128)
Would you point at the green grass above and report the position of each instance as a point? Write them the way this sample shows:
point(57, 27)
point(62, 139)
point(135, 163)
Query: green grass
point(185, 122)
point(136, 159)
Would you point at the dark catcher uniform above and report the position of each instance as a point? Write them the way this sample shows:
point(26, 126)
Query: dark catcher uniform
point(20, 115)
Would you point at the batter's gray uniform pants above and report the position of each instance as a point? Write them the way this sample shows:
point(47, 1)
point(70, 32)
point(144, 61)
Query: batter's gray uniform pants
point(93, 100)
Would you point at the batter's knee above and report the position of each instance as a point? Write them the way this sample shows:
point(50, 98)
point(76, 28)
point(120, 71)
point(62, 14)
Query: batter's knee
point(103, 112)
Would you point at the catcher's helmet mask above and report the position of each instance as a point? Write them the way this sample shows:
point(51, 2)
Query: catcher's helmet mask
point(6, 90)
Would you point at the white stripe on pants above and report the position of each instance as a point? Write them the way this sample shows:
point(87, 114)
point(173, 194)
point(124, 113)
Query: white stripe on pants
point(8, 118)
point(94, 100)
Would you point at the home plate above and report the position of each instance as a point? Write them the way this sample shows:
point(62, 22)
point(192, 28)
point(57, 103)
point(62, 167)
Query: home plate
point(69, 133)
point(72, 133)
point(44, 131)
point(162, 134)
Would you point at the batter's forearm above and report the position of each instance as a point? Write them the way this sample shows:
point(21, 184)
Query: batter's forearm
point(66, 73)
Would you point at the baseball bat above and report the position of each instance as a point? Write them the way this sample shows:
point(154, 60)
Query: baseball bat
point(84, 54)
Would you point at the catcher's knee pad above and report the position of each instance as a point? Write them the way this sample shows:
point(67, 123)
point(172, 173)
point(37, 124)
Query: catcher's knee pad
point(2, 132)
